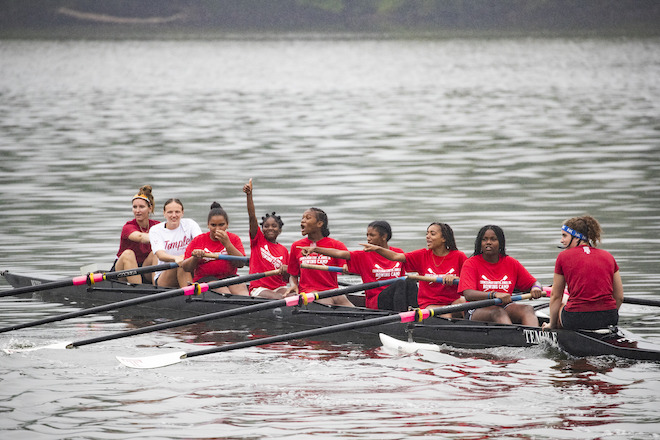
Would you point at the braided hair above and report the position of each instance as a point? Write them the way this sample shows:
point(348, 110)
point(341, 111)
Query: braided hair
point(322, 217)
point(383, 228)
point(447, 234)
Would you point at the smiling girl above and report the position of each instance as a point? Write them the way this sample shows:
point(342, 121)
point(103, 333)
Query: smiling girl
point(440, 258)
point(134, 246)
point(265, 252)
point(169, 241)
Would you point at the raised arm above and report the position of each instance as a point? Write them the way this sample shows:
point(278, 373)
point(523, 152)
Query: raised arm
point(254, 223)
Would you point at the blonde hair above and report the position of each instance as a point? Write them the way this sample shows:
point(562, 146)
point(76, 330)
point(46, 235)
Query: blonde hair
point(587, 226)
point(144, 193)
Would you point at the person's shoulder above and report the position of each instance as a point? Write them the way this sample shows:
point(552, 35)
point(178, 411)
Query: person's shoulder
point(422, 251)
point(329, 240)
point(189, 222)
point(396, 249)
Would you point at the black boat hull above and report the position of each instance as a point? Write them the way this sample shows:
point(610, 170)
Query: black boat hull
point(455, 333)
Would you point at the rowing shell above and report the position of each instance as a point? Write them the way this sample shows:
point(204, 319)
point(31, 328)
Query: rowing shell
point(434, 331)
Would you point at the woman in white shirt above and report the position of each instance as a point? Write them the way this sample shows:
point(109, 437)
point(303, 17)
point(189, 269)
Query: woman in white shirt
point(168, 243)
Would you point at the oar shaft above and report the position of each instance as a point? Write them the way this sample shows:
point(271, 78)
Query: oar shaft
point(403, 317)
point(90, 278)
point(431, 279)
point(322, 267)
point(227, 257)
point(189, 290)
point(286, 302)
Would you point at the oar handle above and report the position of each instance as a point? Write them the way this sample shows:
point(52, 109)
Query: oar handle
point(431, 279)
point(90, 278)
point(322, 267)
point(196, 288)
point(226, 257)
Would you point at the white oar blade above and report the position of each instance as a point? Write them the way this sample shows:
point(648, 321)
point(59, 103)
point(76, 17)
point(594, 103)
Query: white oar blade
point(405, 347)
point(55, 346)
point(160, 360)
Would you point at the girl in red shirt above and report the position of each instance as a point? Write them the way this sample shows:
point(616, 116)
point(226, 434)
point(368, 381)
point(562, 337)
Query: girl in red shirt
point(314, 225)
point(369, 265)
point(491, 273)
point(220, 241)
point(265, 252)
point(595, 290)
point(440, 258)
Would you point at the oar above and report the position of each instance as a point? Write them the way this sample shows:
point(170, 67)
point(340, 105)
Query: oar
point(322, 267)
point(429, 278)
point(193, 289)
point(163, 360)
point(227, 257)
point(290, 301)
point(626, 299)
point(90, 279)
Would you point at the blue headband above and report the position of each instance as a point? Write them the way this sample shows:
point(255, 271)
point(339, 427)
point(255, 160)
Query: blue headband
point(574, 233)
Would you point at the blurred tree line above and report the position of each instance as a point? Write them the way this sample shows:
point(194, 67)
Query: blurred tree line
point(388, 16)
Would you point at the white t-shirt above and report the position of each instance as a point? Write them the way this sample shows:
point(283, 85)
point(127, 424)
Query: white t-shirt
point(172, 241)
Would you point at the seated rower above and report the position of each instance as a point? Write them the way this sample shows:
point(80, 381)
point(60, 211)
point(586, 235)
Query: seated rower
point(440, 258)
point(265, 252)
point(217, 241)
point(594, 283)
point(491, 273)
point(314, 225)
point(134, 245)
point(169, 241)
point(371, 266)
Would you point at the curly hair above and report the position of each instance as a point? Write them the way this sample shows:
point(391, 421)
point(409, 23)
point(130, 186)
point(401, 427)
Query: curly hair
point(587, 226)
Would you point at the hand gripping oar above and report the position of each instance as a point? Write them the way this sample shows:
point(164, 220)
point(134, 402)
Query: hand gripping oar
point(163, 360)
point(193, 289)
point(89, 279)
point(227, 257)
point(290, 301)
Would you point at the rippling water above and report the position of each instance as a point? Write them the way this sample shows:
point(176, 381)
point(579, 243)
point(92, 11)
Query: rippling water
point(521, 133)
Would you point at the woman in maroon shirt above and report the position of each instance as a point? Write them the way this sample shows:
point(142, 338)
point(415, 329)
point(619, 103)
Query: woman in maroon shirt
point(595, 290)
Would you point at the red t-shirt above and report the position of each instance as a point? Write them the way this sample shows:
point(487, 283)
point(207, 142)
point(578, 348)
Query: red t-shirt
point(589, 275)
point(212, 267)
point(425, 263)
point(372, 266)
point(265, 256)
point(314, 280)
point(504, 276)
point(141, 249)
